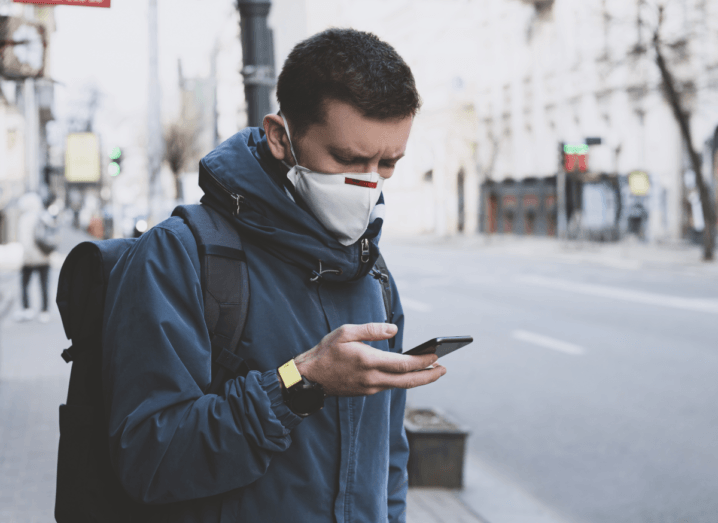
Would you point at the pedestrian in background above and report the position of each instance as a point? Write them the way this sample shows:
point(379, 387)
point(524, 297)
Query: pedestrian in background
point(34, 259)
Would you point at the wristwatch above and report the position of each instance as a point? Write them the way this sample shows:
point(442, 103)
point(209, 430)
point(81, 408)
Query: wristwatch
point(302, 396)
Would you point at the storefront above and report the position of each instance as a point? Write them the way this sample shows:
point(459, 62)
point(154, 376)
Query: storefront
point(525, 207)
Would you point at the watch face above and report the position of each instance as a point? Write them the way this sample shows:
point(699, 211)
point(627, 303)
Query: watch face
point(307, 401)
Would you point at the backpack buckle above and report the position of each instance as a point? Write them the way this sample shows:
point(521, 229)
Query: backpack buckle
point(67, 355)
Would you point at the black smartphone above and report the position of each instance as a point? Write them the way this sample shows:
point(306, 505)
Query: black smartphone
point(441, 346)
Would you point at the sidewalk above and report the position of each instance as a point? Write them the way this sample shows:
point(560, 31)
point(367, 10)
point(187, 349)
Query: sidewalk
point(33, 382)
point(629, 253)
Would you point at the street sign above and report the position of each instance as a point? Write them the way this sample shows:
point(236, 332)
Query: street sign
point(639, 183)
point(82, 158)
point(87, 3)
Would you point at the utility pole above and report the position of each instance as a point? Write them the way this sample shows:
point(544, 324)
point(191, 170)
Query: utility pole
point(32, 135)
point(258, 57)
point(562, 221)
point(154, 123)
point(215, 112)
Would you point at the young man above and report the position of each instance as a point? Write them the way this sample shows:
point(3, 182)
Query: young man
point(309, 183)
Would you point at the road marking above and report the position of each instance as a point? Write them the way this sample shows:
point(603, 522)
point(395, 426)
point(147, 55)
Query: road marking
point(617, 293)
point(414, 305)
point(548, 343)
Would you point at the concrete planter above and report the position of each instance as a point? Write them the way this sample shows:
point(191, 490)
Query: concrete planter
point(436, 449)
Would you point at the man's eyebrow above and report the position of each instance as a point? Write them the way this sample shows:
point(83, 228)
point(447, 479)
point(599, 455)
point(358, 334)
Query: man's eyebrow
point(351, 155)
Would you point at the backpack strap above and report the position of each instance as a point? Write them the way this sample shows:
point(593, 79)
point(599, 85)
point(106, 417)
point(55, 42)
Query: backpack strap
point(381, 273)
point(225, 288)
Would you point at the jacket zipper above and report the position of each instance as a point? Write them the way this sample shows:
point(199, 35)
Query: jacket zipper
point(365, 252)
point(237, 199)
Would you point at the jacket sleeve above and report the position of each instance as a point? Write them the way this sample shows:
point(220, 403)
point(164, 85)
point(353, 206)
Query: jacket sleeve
point(398, 444)
point(168, 440)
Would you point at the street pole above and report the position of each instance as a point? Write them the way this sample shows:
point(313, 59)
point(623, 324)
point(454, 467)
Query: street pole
point(32, 135)
point(154, 123)
point(257, 54)
point(562, 221)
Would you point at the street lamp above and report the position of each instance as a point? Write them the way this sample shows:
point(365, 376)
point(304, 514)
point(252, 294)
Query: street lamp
point(258, 55)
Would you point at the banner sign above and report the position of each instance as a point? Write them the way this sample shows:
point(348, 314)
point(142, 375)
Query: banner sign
point(87, 3)
point(82, 158)
point(639, 183)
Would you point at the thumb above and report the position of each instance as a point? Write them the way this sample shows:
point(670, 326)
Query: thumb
point(368, 332)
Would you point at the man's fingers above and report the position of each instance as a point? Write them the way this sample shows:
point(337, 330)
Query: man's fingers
point(366, 332)
point(413, 379)
point(400, 363)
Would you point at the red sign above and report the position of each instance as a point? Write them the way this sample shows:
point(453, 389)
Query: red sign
point(87, 3)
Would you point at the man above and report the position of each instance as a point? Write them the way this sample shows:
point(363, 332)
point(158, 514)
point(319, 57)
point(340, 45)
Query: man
point(309, 184)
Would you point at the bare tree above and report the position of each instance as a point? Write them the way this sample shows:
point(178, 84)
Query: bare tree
point(677, 92)
point(675, 97)
point(180, 147)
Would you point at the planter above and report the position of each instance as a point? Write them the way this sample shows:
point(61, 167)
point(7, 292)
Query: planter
point(436, 449)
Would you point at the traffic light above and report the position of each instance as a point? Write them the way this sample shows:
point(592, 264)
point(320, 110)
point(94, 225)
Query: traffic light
point(575, 156)
point(115, 167)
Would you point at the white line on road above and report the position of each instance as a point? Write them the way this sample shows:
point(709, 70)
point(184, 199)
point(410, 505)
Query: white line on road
point(605, 291)
point(414, 305)
point(548, 343)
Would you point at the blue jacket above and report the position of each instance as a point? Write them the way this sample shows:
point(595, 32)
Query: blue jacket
point(243, 456)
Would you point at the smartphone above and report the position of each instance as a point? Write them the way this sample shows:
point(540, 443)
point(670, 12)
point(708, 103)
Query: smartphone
point(441, 346)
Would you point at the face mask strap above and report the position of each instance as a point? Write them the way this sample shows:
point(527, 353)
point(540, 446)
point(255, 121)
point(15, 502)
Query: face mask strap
point(291, 147)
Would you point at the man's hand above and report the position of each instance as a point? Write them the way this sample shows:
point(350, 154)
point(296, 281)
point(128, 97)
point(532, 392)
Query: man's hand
point(345, 366)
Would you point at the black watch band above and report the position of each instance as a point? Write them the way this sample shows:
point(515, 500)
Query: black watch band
point(302, 396)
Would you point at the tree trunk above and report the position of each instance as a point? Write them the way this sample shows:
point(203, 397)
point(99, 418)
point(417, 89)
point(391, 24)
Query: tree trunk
point(179, 193)
point(682, 119)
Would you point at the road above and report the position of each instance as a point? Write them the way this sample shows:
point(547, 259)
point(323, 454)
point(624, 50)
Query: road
point(590, 386)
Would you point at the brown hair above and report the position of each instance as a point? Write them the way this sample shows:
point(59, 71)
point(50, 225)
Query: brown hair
point(349, 66)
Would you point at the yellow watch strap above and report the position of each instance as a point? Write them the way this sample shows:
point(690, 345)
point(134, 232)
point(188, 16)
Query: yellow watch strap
point(289, 374)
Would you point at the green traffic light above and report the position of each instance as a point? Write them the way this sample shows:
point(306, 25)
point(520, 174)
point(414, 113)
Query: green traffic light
point(575, 149)
point(115, 153)
point(114, 168)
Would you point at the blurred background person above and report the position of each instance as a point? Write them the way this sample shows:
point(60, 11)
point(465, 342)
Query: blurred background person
point(35, 235)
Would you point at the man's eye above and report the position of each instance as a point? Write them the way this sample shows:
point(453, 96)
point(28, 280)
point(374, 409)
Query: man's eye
point(388, 165)
point(343, 161)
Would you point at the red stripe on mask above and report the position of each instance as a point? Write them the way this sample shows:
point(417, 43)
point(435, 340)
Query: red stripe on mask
point(360, 183)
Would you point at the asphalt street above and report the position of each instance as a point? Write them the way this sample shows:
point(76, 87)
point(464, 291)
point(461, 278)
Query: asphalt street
point(590, 386)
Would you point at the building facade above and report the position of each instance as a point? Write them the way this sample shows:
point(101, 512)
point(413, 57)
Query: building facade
point(507, 83)
point(26, 100)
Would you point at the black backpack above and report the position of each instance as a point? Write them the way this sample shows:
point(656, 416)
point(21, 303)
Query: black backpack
point(88, 489)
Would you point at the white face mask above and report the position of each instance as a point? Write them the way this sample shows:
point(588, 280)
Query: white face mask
point(342, 202)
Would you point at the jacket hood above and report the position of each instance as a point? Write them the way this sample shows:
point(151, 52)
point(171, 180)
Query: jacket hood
point(243, 179)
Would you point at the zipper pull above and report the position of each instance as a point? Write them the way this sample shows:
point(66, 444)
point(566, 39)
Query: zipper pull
point(365, 250)
point(237, 200)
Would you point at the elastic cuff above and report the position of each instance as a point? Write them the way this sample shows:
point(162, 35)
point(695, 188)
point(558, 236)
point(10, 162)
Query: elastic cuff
point(269, 382)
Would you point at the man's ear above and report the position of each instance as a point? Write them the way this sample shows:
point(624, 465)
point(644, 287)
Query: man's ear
point(277, 138)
